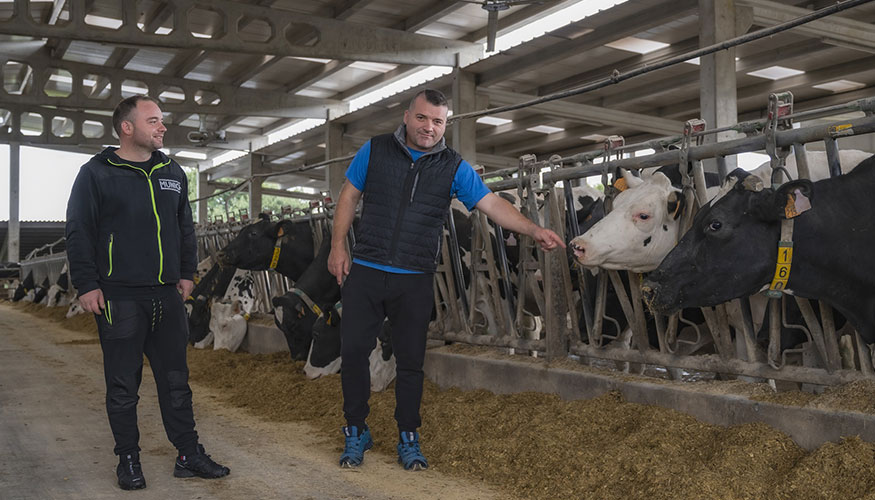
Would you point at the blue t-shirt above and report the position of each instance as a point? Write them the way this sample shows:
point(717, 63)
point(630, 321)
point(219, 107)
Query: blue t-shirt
point(467, 186)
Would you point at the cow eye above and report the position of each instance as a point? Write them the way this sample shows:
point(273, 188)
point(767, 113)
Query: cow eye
point(643, 216)
point(715, 225)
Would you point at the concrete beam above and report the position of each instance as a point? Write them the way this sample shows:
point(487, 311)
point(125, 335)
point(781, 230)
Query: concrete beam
point(256, 166)
point(590, 114)
point(627, 26)
point(232, 100)
point(335, 172)
point(834, 29)
point(464, 132)
point(335, 39)
point(717, 96)
point(13, 237)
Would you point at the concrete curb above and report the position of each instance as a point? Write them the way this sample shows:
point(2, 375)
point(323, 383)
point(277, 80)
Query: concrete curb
point(808, 427)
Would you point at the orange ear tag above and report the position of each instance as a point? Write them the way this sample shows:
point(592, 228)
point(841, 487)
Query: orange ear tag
point(620, 184)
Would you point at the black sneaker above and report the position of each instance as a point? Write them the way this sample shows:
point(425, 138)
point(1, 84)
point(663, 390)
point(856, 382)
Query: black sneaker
point(130, 473)
point(200, 465)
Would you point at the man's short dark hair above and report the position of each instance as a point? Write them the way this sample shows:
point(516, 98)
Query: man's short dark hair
point(434, 97)
point(123, 110)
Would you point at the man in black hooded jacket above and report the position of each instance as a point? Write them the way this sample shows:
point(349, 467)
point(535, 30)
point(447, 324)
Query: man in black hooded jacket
point(132, 251)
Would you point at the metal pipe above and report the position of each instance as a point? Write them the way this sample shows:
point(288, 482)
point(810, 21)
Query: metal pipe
point(715, 364)
point(783, 138)
point(618, 77)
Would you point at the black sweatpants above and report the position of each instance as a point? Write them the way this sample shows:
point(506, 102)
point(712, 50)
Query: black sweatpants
point(158, 328)
point(370, 296)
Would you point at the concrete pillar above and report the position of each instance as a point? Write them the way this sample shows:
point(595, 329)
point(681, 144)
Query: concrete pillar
point(14, 236)
point(335, 173)
point(718, 97)
point(203, 189)
point(464, 135)
point(256, 166)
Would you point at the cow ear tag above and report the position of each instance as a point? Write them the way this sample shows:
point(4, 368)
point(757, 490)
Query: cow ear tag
point(620, 184)
point(797, 203)
point(280, 233)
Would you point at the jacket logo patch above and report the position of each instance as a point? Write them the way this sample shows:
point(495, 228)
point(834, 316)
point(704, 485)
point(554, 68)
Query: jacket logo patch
point(170, 185)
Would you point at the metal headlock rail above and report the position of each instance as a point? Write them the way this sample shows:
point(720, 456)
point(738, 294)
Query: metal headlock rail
point(214, 236)
point(545, 277)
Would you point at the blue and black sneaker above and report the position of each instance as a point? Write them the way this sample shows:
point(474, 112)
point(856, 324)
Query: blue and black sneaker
point(408, 452)
point(357, 443)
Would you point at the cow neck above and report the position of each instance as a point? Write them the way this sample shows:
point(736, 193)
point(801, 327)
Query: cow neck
point(784, 261)
point(277, 248)
point(307, 300)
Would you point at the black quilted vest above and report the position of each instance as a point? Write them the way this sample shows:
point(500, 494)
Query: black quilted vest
point(405, 204)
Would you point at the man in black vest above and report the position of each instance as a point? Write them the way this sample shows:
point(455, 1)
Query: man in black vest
point(407, 179)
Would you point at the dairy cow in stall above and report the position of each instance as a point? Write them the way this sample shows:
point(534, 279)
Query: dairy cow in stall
point(732, 249)
point(296, 311)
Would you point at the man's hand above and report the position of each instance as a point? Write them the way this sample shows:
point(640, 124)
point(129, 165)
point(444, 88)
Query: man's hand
point(92, 301)
point(338, 264)
point(185, 287)
point(547, 239)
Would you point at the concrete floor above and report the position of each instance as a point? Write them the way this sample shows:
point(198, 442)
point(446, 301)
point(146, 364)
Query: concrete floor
point(55, 441)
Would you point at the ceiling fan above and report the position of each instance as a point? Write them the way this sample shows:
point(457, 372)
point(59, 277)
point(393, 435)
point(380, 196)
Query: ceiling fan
point(493, 7)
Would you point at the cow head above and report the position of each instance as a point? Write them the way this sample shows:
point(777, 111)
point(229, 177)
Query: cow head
point(326, 338)
point(41, 291)
point(198, 318)
point(731, 249)
point(24, 287)
point(253, 246)
point(295, 319)
point(640, 230)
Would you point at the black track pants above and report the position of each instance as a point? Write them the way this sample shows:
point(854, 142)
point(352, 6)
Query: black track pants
point(369, 296)
point(156, 327)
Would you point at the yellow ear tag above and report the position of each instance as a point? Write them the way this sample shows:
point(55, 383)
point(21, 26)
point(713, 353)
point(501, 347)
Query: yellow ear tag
point(620, 184)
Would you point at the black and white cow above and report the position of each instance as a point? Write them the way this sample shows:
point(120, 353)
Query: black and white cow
point(324, 357)
point(25, 287)
point(296, 311)
point(58, 295)
point(210, 288)
point(229, 316)
point(253, 247)
point(732, 248)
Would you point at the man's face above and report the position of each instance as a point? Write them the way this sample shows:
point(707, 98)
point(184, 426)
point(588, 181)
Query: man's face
point(425, 124)
point(147, 126)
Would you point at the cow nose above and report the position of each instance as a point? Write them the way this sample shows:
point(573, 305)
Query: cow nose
point(578, 248)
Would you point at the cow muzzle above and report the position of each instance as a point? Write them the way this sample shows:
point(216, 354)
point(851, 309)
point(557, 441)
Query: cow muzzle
point(656, 299)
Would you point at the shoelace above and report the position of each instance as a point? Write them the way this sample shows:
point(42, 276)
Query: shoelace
point(357, 443)
point(410, 451)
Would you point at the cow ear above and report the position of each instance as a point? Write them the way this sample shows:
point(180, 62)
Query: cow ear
point(785, 202)
point(676, 204)
point(263, 216)
point(281, 228)
point(630, 180)
point(794, 198)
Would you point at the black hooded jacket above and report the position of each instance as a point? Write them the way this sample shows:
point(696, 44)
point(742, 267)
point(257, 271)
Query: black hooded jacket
point(129, 226)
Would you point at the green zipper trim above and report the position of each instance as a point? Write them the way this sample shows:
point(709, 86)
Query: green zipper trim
point(108, 313)
point(110, 256)
point(154, 208)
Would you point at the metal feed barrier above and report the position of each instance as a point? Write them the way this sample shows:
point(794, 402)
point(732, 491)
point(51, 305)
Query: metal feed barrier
point(537, 182)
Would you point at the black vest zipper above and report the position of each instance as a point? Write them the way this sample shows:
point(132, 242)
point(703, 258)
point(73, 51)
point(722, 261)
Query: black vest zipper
point(409, 186)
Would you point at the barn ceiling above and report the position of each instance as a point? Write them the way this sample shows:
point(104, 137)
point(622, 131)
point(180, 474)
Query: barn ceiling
point(245, 75)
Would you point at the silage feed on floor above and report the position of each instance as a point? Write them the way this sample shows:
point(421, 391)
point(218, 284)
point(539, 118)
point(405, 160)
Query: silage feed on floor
point(538, 446)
